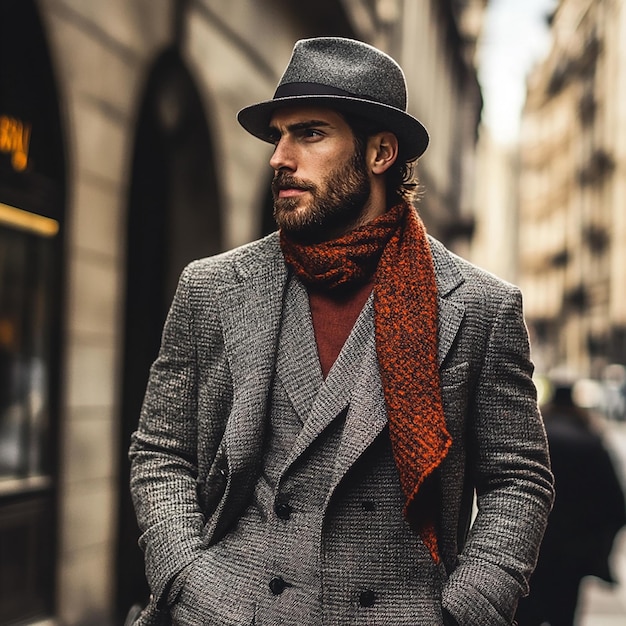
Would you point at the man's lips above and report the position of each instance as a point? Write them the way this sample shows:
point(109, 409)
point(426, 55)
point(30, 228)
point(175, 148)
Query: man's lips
point(286, 186)
point(290, 192)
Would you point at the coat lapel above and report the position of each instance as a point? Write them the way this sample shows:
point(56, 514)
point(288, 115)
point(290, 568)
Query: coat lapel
point(250, 308)
point(367, 413)
point(334, 394)
point(298, 366)
point(450, 312)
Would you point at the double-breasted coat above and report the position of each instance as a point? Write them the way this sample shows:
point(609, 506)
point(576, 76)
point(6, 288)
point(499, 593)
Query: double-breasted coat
point(197, 452)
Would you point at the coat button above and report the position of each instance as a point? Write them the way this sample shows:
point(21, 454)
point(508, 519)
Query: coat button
point(283, 510)
point(278, 585)
point(367, 598)
point(368, 506)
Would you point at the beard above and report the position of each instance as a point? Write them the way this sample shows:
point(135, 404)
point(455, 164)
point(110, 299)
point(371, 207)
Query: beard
point(336, 204)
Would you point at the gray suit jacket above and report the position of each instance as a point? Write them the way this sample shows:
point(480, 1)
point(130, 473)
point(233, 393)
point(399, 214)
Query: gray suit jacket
point(197, 452)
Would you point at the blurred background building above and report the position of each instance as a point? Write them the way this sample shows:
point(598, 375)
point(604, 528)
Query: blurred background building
point(572, 228)
point(120, 161)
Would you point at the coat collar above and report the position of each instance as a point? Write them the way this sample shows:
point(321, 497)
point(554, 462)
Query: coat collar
point(337, 392)
point(251, 299)
point(250, 302)
point(257, 289)
point(451, 311)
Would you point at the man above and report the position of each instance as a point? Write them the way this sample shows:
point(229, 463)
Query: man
point(327, 400)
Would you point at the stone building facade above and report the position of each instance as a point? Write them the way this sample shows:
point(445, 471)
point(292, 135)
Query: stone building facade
point(572, 233)
point(120, 161)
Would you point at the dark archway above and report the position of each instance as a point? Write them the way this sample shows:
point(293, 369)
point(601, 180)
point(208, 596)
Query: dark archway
point(32, 219)
point(173, 218)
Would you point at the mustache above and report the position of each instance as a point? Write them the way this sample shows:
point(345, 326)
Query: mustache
point(284, 180)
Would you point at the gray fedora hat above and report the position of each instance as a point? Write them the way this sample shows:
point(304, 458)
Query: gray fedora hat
point(349, 76)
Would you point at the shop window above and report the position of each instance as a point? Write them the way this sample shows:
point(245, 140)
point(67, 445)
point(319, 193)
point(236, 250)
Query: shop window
point(26, 261)
point(32, 212)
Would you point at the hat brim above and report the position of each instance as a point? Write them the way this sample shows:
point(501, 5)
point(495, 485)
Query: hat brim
point(412, 136)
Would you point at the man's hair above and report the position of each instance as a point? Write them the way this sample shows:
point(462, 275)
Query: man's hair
point(400, 178)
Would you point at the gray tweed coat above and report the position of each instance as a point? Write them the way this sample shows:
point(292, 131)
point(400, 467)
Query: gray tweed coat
point(196, 454)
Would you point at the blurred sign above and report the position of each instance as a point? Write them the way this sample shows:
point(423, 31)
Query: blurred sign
point(27, 221)
point(15, 141)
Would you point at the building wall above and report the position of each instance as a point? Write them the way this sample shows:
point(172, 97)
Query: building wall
point(438, 56)
point(494, 245)
point(615, 86)
point(101, 51)
point(102, 54)
point(572, 232)
point(233, 72)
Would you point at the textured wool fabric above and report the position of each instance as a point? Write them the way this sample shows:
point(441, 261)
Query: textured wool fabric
point(395, 247)
point(204, 424)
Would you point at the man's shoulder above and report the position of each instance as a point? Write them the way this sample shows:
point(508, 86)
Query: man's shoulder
point(468, 274)
point(459, 280)
point(247, 260)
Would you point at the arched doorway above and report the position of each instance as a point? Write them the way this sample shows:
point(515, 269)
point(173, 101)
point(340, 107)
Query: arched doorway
point(32, 221)
point(173, 218)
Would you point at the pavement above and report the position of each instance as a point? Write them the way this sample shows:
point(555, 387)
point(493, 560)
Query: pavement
point(601, 604)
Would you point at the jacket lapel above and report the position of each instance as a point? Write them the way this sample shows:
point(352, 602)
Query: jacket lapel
point(367, 413)
point(298, 366)
point(450, 312)
point(250, 308)
point(333, 396)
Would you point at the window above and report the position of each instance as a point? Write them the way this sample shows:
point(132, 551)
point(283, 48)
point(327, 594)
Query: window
point(26, 285)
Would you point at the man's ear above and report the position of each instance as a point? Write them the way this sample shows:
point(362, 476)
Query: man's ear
point(383, 150)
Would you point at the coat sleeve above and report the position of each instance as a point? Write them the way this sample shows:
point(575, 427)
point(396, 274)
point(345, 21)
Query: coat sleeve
point(163, 453)
point(508, 458)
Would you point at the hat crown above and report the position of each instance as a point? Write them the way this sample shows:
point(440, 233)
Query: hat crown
point(349, 65)
point(348, 76)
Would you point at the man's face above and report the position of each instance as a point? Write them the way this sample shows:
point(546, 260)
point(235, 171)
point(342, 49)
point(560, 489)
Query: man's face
point(321, 185)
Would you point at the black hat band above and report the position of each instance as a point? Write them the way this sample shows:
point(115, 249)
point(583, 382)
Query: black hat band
point(289, 90)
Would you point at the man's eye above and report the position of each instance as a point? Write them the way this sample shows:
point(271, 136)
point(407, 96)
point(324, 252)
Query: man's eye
point(312, 133)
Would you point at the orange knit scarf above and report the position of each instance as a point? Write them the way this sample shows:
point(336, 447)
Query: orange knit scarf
point(395, 247)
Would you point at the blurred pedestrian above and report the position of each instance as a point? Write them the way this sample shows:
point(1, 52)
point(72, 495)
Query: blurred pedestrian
point(327, 400)
point(588, 512)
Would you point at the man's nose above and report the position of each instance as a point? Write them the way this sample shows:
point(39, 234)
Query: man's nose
point(283, 156)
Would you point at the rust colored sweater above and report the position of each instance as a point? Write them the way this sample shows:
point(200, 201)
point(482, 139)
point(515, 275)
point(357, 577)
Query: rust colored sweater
point(334, 315)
